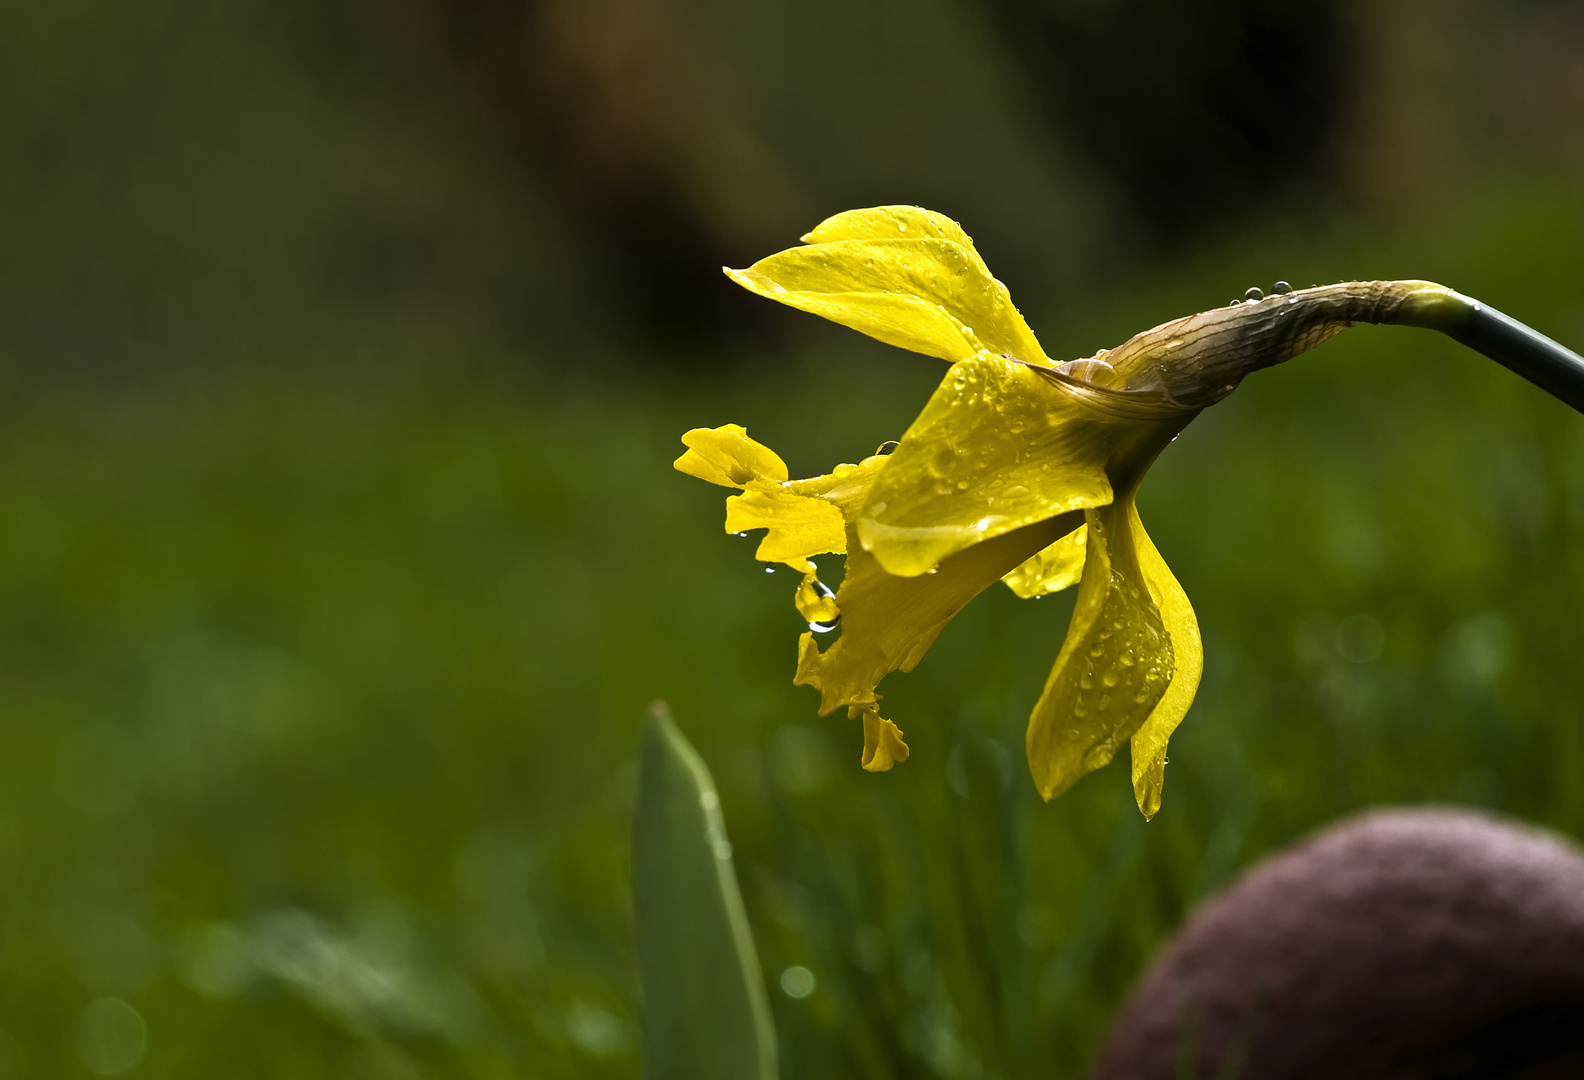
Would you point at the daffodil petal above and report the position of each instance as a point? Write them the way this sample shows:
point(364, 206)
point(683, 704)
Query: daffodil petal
point(891, 223)
point(997, 447)
point(889, 622)
point(844, 487)
point(906, 276)
point(1052, 569)
point(904, 321)
point(1149, 741)
point(799, 526)
point(1113, 668)
point(883, 745)
point(728, 457)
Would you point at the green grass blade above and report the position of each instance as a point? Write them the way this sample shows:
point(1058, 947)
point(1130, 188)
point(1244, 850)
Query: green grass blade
point(705, 1012)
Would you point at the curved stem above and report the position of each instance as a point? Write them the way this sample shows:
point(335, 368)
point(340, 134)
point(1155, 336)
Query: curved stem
point(1551, 366)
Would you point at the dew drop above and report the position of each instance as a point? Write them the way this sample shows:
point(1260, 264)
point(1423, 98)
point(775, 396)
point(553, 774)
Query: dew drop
point(769, 569)
point(825, 627)
point(887, 447)
point(1281, 288)
point(1254, 295)
point(1105, 702)
point(1086, 680)
point(1112, 677)
point(1080, 707)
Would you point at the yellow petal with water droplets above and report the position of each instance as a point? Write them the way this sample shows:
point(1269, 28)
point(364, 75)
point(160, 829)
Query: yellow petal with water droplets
point(904, 321)
point(1113, 668)
point(728, 457)
point(807, 517)
point(1051, 570)
point(927, 291)
point(815, 601)
point(883, 745)
point(845, 486)
point(997, 447)
point(889, 622)
point(799, 526)
point(891, 223)
point(1149, 741)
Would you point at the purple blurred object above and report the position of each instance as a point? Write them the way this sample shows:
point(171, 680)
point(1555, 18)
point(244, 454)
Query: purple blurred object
point(1405, 944)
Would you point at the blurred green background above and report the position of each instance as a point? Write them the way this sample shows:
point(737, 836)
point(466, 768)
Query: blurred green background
point(344, 348)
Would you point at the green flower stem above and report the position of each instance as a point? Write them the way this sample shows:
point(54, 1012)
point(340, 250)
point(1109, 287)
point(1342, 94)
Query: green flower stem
point(1551, 366)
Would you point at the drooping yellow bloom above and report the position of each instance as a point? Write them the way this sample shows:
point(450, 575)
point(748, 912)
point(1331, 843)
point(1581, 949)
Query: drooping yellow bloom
point(1019, 469)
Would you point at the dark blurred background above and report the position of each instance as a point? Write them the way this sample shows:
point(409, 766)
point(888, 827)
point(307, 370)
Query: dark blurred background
point(344, 348)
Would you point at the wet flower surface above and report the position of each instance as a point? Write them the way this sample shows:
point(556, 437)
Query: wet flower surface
point(1019, 469)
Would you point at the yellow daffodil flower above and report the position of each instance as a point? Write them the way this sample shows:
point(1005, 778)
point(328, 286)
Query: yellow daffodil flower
point(1019, 469)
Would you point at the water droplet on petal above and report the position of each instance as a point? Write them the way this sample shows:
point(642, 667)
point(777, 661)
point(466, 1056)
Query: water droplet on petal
point(1091, 371)
point(1254, 295)
point(1281, 288)
point(887, 447)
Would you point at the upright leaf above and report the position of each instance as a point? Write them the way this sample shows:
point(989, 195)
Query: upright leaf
point(705, 1012)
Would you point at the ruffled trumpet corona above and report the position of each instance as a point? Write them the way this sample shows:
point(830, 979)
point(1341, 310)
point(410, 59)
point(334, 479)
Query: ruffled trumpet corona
point(1020, 469)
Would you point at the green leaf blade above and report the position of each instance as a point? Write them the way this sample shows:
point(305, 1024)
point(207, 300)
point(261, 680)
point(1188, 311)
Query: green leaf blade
point(706, 1016)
